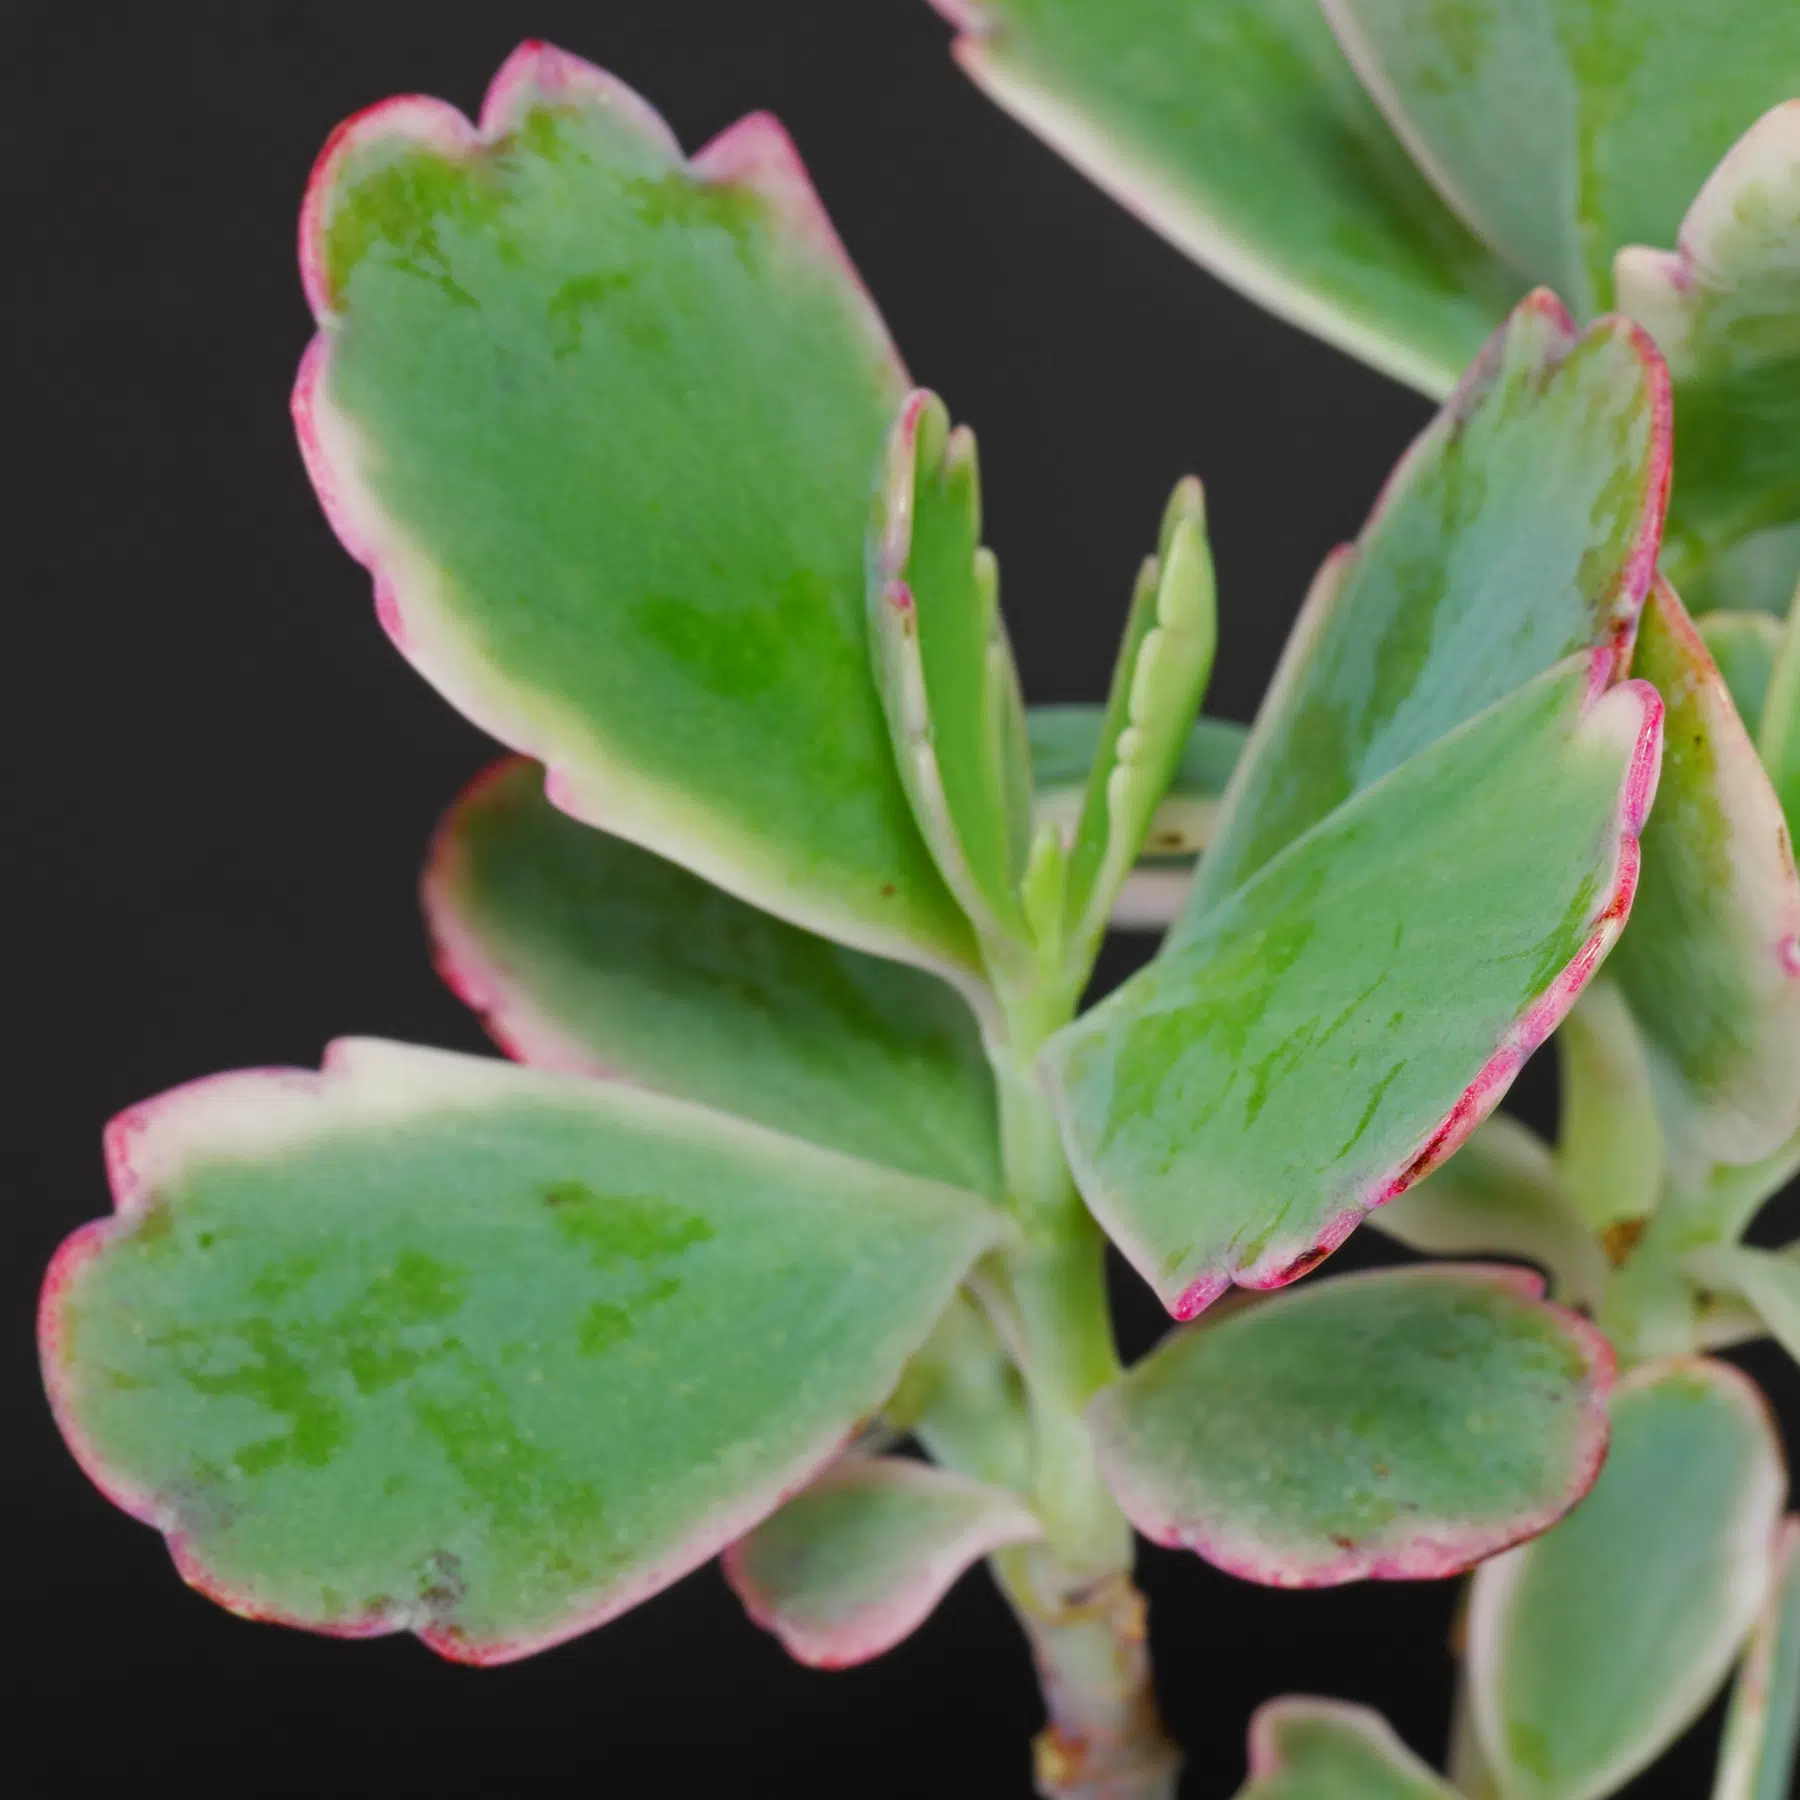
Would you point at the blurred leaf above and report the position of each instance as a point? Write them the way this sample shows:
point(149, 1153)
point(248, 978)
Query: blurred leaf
point(1609, 1152)
point(1594, 1647)
point(1756, 1755)
point(1306, 1749)
point(1744, 645)
point(1768, 1281)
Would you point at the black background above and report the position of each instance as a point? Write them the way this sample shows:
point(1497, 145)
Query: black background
point(223, 778)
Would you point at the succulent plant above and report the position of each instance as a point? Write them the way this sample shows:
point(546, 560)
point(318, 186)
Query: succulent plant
point(780, 1234)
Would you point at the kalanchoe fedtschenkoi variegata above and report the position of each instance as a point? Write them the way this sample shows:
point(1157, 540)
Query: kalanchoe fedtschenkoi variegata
point(784, 906)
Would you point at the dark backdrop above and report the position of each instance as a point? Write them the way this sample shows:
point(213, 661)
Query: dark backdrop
point(226, 777)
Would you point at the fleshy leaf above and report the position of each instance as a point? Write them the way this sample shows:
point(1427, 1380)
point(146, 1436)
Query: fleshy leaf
point(1711, 965)
point(601, 422)
point(1610, 1157)
point(1238, 131)
point(1338, 1027)
point(1520, 527)
point(1756, 1755)
point(1307, 1749)
point(1165, 659)
point(1594, 1647)
point(943, 665)
point(1725, 304)
point(436, 1343)
point(1563, 129)
point(1500, 1195)
point(582, 952)
point(855, 1563)
point(1745, 646)
point(1401, 1424)
point(1766, 1280)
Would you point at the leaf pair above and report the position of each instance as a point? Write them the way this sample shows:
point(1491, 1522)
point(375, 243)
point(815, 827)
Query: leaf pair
point(1427, 846)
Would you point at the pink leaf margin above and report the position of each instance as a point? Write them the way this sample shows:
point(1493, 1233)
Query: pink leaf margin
point(995, 1520)
point(1527, 1033)
point(146, 1147)
point(1434, 1551)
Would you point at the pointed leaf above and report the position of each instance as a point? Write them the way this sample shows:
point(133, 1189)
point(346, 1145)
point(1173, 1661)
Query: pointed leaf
point(942, 662)
point(1596, 1646)
point(1756, 1755)
point(1610, 1157)
point(856, 1562)
point(1562, 129)
point(1745, 646)
point(582, 952)
point(1725, 304)
point(433, 1343)
point(601, 422)
point(1711, 965)
point(1520, 527)
point(1238, 131)
point(1235, 1109)
point(1767, 1280)
point(1306, 1749)
point(1400, 1424)
point(1165, 659)
point(1500, 1195)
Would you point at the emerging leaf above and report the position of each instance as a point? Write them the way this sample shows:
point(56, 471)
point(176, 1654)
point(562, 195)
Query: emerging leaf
point(1594, 1647)
point(432, 1343)
point(856, 1562)
point(584, 953)
point(601, 423)
point(1520, 528)
point(1562, 129)
point(1236, 1108)
point(945, 669)
point(1711, 965)
point(1610, 1156)
point(1500, 1195)
point(1237, 130)
point(1756, 1755)
point(1165, 659)
point(1401, 1424)
point(1725, 304)
point(1306, 1749)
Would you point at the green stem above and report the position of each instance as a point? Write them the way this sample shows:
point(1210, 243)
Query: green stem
point(1073, 1594)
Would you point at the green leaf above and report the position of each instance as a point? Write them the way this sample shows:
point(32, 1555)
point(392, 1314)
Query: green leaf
point(1563, 129)
point(1401, 1424)
point(944, 667)
point(1745, 646)
point(602, 422)
point(1756, 574)
point(582, 952)
point(1756, 1755)
point(1165, 659)
point(1500, 1195)
point(1336, 1028)
point(434, 1343)
point(1520, 527)
point(1766, 1280)
point(1594, 1647)
point(1610, 1157)
point(1307, 1749)
point(1711, 965)
point(856, 1562)
point(1779, 737)
point(1239, 132)
point(1725, 304)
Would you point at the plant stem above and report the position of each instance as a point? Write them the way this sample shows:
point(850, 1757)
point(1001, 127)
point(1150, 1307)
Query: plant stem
point(1073, 1593)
